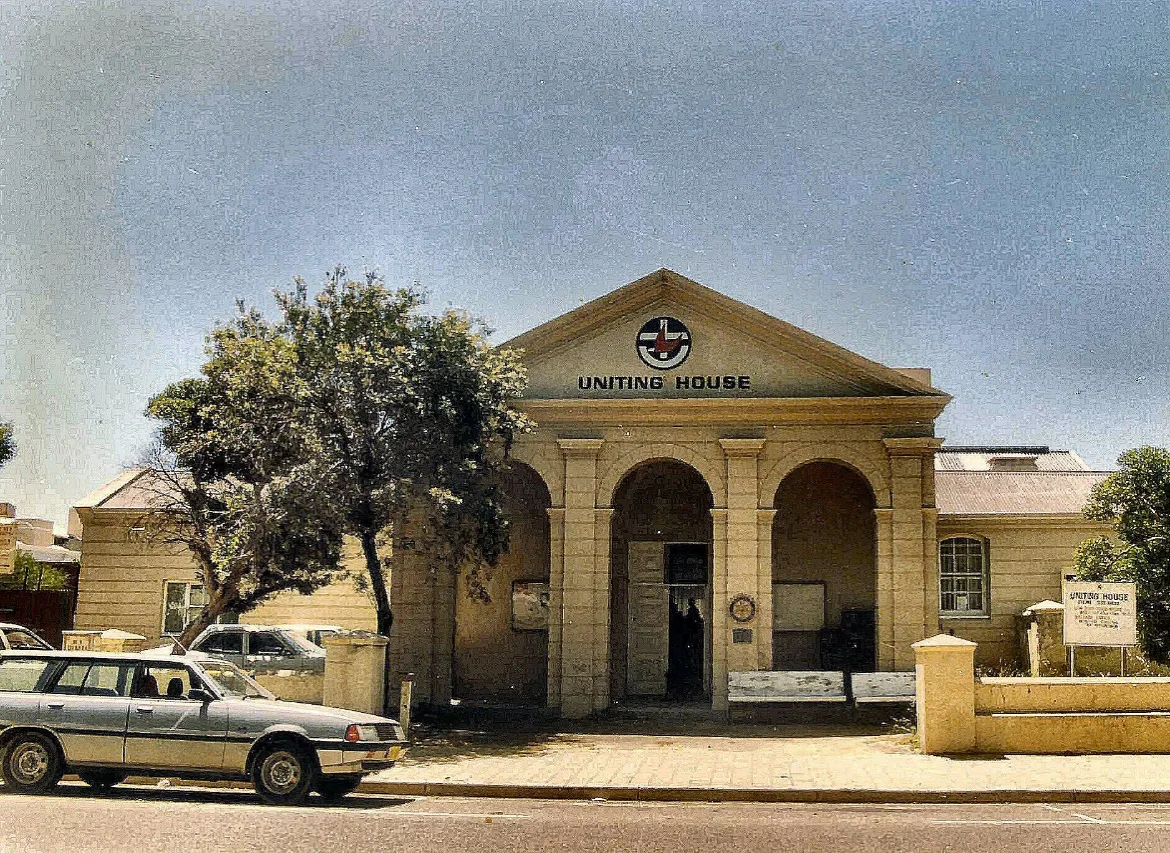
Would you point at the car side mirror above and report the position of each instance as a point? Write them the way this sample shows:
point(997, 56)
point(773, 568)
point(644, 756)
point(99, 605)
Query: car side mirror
point(197, 694)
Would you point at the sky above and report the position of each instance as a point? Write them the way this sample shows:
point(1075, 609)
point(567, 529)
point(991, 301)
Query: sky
point(977, 187)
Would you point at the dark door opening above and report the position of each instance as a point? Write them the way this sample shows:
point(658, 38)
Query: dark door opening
point(686, 578)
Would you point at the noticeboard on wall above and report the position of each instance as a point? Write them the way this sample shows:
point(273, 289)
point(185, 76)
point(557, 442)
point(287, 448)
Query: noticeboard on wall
point(798, 606)
point(530, 605)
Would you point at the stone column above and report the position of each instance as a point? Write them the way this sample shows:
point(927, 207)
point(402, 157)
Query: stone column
point(743, 547)
point(884, 560)
point(579, 615)
point(602, 518)
point(945, 675)
point(1047, 654)
point(556, 580)
point(764, 521)
point(719, 632)
point(912, 553)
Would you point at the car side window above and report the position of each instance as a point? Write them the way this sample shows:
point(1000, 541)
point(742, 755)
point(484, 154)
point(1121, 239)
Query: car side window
point(71, 678)
point(24, 641)
point(164, 681)
point(23, 675)
point(267, 643)
point(223, 643)
point(107, 679)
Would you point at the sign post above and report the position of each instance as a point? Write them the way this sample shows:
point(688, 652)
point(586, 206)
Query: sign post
point(1099, 614)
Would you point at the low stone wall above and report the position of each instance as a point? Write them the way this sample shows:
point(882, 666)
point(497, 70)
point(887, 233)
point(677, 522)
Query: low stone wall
point(958, 713)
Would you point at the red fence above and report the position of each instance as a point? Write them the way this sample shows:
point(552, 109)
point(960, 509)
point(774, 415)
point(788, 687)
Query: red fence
point(47, 612)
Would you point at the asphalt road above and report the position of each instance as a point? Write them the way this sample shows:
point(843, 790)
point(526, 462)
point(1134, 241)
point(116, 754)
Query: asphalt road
point(144, 820)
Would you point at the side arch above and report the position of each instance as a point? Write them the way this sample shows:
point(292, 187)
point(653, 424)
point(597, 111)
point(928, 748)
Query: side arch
point(863, 464)
point(710, 469)
point(551, 470)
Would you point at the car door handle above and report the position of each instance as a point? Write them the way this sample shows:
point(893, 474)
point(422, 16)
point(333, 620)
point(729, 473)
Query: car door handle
point(54, 706)
point(144, 709)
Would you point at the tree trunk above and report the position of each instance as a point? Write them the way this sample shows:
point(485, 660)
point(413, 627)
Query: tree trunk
point(377, 581)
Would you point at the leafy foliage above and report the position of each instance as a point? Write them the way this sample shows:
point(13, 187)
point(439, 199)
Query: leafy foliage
point(355, 412)
point(7, 443)
point(28, 574)
point(238, 483)
point(412, 414)
point(1135, 499)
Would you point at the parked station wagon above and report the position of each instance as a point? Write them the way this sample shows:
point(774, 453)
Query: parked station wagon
point(107, 716)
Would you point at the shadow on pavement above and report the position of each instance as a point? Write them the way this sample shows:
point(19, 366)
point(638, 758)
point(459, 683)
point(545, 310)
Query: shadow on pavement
point(179, 792)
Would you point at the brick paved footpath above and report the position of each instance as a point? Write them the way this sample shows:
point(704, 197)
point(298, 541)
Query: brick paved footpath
point(786, 764)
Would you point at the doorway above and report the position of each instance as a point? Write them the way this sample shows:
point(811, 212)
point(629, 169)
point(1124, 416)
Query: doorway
point(660, 631)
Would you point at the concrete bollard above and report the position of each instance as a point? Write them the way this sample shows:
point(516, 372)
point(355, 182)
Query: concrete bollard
point(945, 672)
point(355, 671)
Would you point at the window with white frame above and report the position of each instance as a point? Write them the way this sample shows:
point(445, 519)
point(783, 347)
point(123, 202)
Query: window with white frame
point(963, 576)
point(183, 601)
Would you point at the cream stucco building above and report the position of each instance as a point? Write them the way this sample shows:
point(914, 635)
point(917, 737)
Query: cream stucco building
point(708, 489)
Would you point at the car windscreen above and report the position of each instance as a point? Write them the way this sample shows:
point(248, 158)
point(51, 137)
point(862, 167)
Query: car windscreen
point(25, 640)
point(232, 681)
point(23, 675)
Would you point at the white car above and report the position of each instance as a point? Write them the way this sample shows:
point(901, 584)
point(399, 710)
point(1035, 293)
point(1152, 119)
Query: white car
point(315, 634)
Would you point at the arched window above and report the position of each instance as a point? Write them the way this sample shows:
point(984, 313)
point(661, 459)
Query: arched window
point(963, 577)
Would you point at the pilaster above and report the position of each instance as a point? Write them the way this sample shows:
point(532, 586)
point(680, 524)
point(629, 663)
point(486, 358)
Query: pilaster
point(556, 582)
point(579, 601)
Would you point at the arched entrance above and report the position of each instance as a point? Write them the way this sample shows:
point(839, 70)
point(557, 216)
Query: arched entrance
point(660, 583)
point(823, 570)
point(498, 653)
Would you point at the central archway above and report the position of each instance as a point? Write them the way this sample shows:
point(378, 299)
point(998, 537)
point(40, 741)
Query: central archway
point(660, 583)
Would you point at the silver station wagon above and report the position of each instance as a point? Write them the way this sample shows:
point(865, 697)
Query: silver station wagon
point(107, 716)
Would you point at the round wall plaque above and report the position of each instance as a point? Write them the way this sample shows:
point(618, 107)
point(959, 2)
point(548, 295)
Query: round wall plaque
point(742, 608)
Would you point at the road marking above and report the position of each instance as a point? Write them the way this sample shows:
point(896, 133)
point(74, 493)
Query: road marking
point(1035, 822)
point(1086, 818)
point(477, 815)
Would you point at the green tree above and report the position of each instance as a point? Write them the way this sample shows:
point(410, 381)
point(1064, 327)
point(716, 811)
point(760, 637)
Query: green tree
point(28, 574)
point(7, 443)
point(237, 481)
point(411, 414)
point(1135, 500)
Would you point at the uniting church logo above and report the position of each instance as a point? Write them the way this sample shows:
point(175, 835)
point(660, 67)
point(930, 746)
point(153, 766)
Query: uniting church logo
point(663, 343)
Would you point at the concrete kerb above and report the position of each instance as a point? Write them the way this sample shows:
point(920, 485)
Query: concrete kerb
point(841, 796)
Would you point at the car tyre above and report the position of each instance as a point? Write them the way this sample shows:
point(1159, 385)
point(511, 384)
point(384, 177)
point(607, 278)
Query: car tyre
point(333, 788)
point(284, 774)
point(32, 763)
point(101, 780)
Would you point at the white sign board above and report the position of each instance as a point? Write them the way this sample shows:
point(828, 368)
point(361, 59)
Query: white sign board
point(7, 546)
point(1100, 614)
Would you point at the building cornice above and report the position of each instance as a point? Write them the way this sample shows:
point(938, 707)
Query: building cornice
point(737, 410)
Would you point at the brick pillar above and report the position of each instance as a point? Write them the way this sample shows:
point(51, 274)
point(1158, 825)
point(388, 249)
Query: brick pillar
point(743, 546)
point(945, 700)
point(913, 543)
point(764, 521)
point(579, 598)
point(556, 580)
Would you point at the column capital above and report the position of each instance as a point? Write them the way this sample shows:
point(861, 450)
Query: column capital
point(924, 446)
point(556, 513)
point(603, 513)
point(580, 447)
point(766, 516)
point(882, 513)
point(719, 514)
point(742, 447)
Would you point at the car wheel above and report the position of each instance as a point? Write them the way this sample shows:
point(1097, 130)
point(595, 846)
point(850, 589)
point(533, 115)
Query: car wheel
point(284, 774)
point(102, 780)
point(333, 788)
point(32, 763)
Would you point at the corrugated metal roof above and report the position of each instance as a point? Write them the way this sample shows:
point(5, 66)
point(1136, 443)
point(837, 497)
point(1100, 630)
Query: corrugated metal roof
point(1014, 492)
point(49, 553)
point(979, 458)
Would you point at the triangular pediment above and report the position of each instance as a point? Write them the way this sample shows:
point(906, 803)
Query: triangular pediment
point(733, 349)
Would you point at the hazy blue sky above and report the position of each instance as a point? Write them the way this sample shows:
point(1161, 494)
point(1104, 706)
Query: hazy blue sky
point(976, 187)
